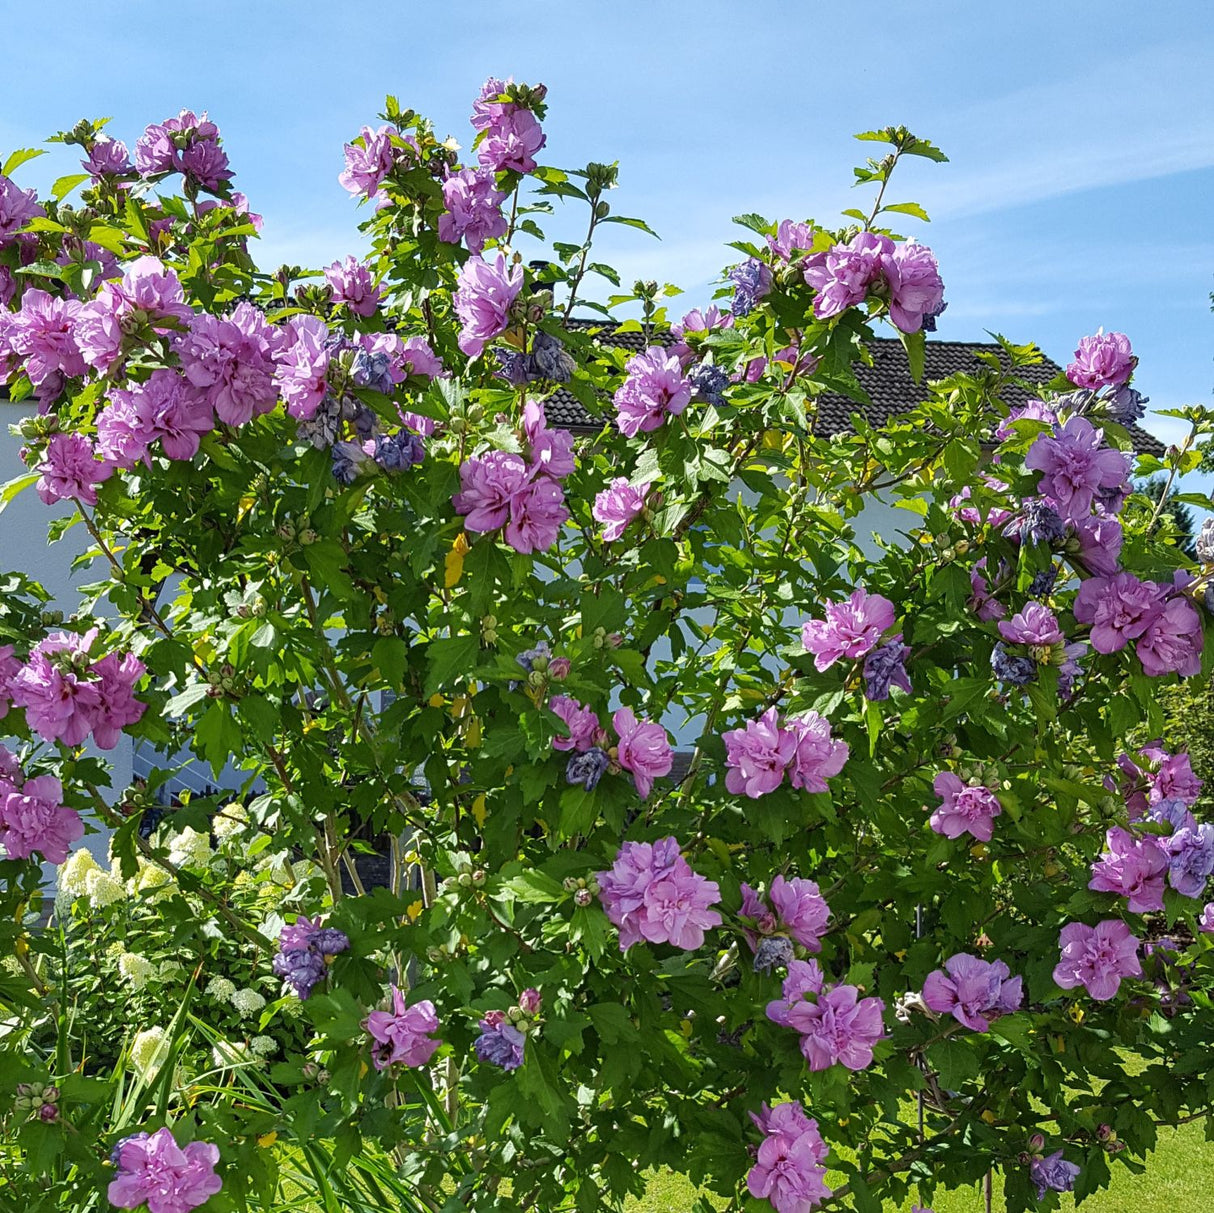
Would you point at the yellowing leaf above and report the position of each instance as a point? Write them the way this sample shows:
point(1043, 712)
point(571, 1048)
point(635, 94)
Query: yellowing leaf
point(473, 737)
point(436, 700)
point(454, 561)
point(266, 1140)
point(480, 810)
point(415, 909)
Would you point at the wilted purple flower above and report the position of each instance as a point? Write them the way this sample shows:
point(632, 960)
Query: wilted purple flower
point(500, 1043)
point(1205, 923)
point(1205, 542)
point(1190, 858)
point(400, 451)
point(710, 382)
point(773, 951)
point(1014, 669)
point(885, 667)
point(348, 460)
point(1126, 405)
point(1043, 582)
point(514, 366)
point(1053, 1174)
point(1039, 522)
point(1102, 360)
point(374, 371)
point(973, 991)
point(529, 657)
point(751, 283)
point(587, 768)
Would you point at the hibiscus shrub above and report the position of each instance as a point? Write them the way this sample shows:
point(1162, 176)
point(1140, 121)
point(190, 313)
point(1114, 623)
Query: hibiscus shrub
point(920, 900)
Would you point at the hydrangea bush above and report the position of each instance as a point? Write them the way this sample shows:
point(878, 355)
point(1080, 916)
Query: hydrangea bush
point(921, 903)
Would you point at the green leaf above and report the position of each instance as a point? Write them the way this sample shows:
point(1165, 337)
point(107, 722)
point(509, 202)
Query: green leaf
point(391, 656)
point(908, 208)
point(755, 222)
point(954, 1061)
point(637, 223)
point(448, 660)
point(535, 888)
point(915, 345)
point(217, 736)
point(15, 486)
point(64, 185)
point(19, 157)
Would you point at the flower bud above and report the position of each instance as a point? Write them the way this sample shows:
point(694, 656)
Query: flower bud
point(478, 877)
point(1036, 1142)
point(286, 532)
point(434, 955)
point(530, 1001)
point(322, 1077)
point(48, 1113)
point(558, 668)
point(475, 413)
point(308, 537)
point(514, 1014)
point(583, 897)
point(465, 880)
point(51, 1094)
point(569, 884)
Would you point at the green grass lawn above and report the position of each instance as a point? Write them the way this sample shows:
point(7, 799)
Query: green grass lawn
point(1179, 1179)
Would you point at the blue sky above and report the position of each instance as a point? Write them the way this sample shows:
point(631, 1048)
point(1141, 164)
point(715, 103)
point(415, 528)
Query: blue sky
point(1081, 135)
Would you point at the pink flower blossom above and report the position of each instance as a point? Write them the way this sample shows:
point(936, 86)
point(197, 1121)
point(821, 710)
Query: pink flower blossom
point(644, 750)
point(42, 334)
point(69, 470)
point(10, 667)
point(474, 209)
point(33, 818)
point(1102, 360)
point(231, 360)
point(617, 505)
point(484, 292)
point(1205, 922)
point(404, 1035)
point(965, 808)
point(302, 359)
point(651, 893)
point(916, 290)
point(174, 412)
point(488, 484)
point(850, 628)
point(696, 321)
point(1034, 625)
point(842, 276)
point(420, 359)
point(150, 287)
point(1096, 541)
point(1132, 867)
point(352, 284)
point(1075, 467)
point(654, 389)
point(168, 1178)
point(973, 991)
point(512, 138)
point(581, 721)
point(1097, 957)
point(835, 1024)
point(980, 600)
point(60, 702)
point(791, 237)
point(1172, 642)
point(17, 208)
point(1119, 608)
point(537, 513)
point(790, 1166)
point(757, 755)
point(117, 676)
point(124, 434)
point(369, 163)
point(109, 157)
point(800, 909)
point(549, 451)
point(818, 756)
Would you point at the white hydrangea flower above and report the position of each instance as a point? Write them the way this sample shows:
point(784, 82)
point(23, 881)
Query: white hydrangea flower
point(136, 969)
point(103, 889)
point(149, 1050)
point(221, 989)
point(190, 849)
point(73, 872)
point(151, 876)
point(229, 1053)
point(247, 1002)
point(264, 1046)
point(230, 820)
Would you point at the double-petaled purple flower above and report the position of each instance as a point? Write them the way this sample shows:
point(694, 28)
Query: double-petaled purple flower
point(759, 754)
point(1053, 1174)
point(652, 894)
point(483, 295)
point(797, 908)
point(108, 158)
point(972, 990)
point(1102, 360)
point(1132, 867)
point(850, 629)
point(835, 1024)
point(17, 208)
point(655, 388)
point(617, 505)
point(500, 1042)
point(153, 1170)
point(34, 818)
point(1097, 957)
point(843, 276)
point(353, 284)
point(751, 284)
point(404, 1035)
point(368, 162)
point(1077, 470)
point(187, 144)
point(964, 808)
point(790, 1165)
point(474, 209)
point(510, 132)
point(1190, 857)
